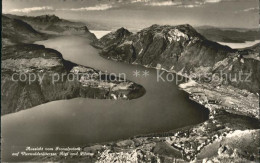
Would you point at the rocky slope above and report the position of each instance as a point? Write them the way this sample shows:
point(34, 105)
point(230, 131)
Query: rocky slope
point(33, 75)
point(15, 31)
point(183, 50)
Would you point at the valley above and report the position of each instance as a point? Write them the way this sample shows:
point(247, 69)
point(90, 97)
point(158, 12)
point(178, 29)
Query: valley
point(199, 120)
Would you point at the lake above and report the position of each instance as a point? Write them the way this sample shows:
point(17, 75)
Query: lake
point(81, 121)
point(240, 45)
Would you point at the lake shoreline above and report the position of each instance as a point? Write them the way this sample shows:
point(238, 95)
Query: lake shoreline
point(85, 88)
point(219, 113)
point(225, 122)
point(215, 127)
point(222, 126)
point(131, 146)
point(189, 120)
point(42, 106)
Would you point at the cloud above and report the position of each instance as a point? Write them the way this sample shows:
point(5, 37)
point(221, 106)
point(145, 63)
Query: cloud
point(166, 3)
point(49, 8)
point(212, 1)
point(253, 9)
point(118, 3)
point(33, 9)
point(136, 1)
point(178, 3)
point(190, 6)
point(93, 8)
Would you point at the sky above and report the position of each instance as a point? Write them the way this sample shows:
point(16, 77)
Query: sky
point(137, 14)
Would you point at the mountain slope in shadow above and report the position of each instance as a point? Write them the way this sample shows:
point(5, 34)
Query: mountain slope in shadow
point(15, 30)
point(22, 58)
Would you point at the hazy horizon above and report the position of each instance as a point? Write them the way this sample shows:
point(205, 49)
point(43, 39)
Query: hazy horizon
point(138, 14)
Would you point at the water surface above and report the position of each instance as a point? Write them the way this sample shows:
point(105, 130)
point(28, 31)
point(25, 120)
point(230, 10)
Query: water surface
point(81, 121)
point(240, 45)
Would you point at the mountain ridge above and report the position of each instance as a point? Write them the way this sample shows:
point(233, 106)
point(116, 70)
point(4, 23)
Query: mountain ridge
point(183, 50)
point(53, 25)
point(21, 56)
point(226, 130)
point(15, 30)
point(230, 35)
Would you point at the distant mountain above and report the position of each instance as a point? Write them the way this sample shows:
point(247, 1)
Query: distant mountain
point(181, 49)
point(44, 21)
point(15, 30)
point(54, 25)
point(232, 35)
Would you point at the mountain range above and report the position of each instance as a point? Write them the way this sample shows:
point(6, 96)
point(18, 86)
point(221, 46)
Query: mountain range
point(51, 24)
point(213, 71)
point(231, 132)
point(175, 48)
point(183, 50)
point(21, 56)
point(232, 35)
point(15, 30)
